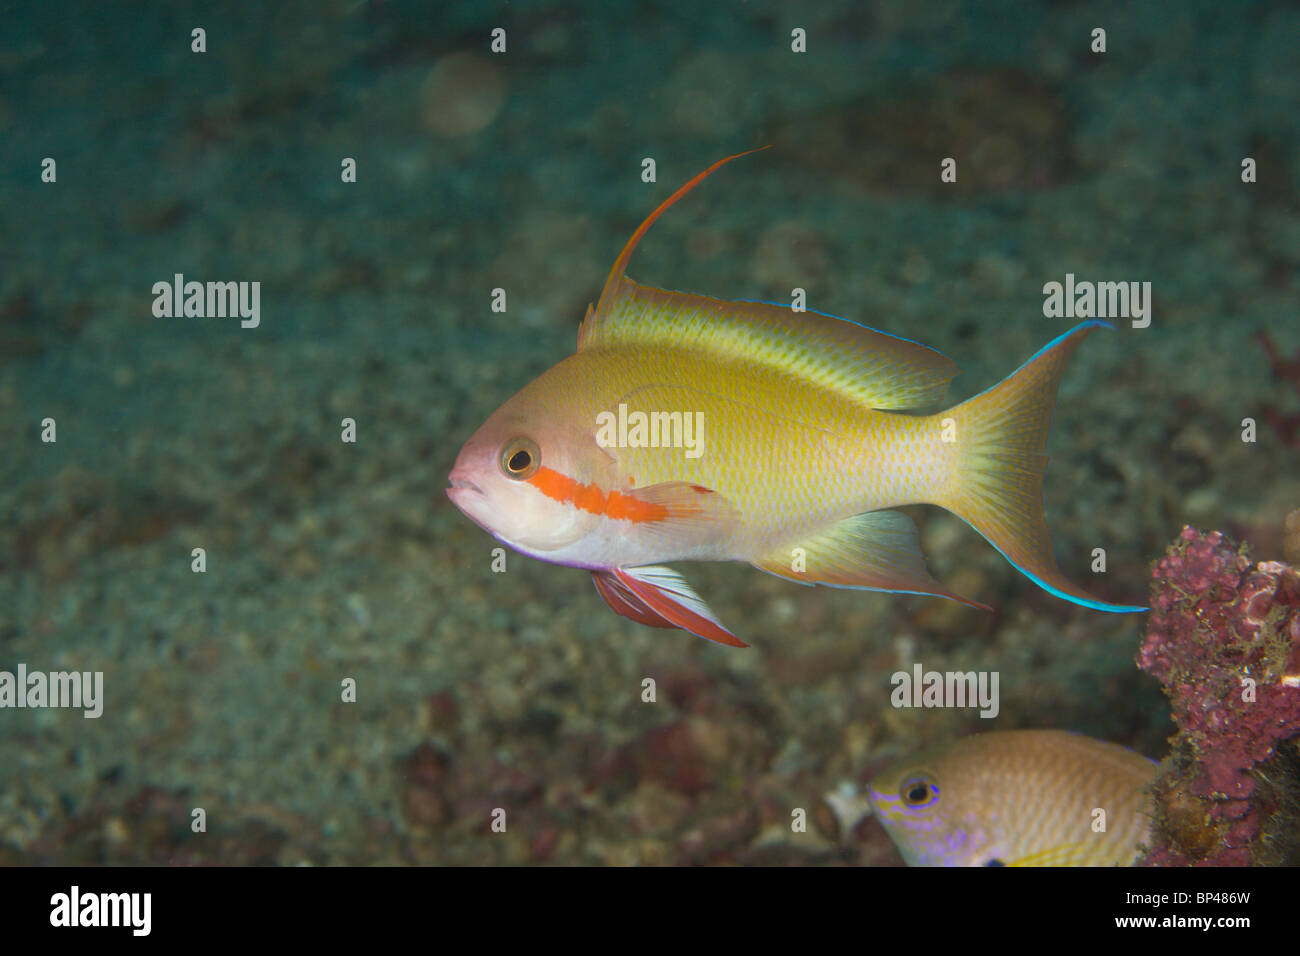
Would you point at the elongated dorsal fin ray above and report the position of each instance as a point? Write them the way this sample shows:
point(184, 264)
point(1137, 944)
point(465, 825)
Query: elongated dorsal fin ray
point(620, 264)
point(874, 368)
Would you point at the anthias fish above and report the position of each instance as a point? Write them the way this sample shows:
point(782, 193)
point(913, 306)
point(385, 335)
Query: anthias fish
point(1017, 798)
point(690, 428)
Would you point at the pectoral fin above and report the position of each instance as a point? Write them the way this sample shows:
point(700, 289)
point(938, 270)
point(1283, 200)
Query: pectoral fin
point(1066, 854)
point(680, 511)
point(877, 551)
point(660, 597)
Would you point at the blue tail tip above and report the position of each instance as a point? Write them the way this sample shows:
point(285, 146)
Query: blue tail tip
point(1093, 324)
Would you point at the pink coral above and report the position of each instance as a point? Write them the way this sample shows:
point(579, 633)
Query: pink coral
point(1224, 640)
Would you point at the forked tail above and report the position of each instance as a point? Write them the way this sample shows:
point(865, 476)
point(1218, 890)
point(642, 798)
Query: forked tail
point(1001, 457)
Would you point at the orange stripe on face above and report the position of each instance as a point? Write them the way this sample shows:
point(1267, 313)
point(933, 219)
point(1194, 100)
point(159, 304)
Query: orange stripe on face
point(591, 499)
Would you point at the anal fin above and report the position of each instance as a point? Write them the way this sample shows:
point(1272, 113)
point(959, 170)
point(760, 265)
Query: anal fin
point(877, 551)
point(660, 597)
point(622, 600)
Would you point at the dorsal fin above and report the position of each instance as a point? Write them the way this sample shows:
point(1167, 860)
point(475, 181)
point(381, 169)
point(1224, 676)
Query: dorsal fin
point(875, 368)
point(620, 264)
point(872, 368)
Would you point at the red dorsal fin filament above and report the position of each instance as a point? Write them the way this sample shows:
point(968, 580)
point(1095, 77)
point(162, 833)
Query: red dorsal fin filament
point(620, 264)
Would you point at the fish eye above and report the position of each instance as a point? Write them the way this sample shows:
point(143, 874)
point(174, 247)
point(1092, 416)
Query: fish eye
point(919, 791)
point(520, 459)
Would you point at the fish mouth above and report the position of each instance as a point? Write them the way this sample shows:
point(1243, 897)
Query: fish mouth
point(471, 501)
point(464, 494)
point(459, 483)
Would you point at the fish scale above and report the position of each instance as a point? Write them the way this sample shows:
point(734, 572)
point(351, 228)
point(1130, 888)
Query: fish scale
point(847, 463)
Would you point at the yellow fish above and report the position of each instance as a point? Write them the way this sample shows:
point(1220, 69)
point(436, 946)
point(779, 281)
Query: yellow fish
point(1017, 798)
point(690, 428)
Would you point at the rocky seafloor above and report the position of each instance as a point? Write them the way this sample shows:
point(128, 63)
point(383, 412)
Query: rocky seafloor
point(522, 171)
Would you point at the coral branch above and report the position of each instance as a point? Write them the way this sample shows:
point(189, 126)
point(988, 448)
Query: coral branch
point(1224, 640)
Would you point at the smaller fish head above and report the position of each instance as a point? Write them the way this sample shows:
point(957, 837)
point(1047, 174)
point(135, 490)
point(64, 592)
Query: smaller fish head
point(930, 806)
point(497, 482)
point(907, 800)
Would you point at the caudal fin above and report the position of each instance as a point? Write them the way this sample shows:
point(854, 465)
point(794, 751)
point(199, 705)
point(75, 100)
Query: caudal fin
point(1001, 457)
